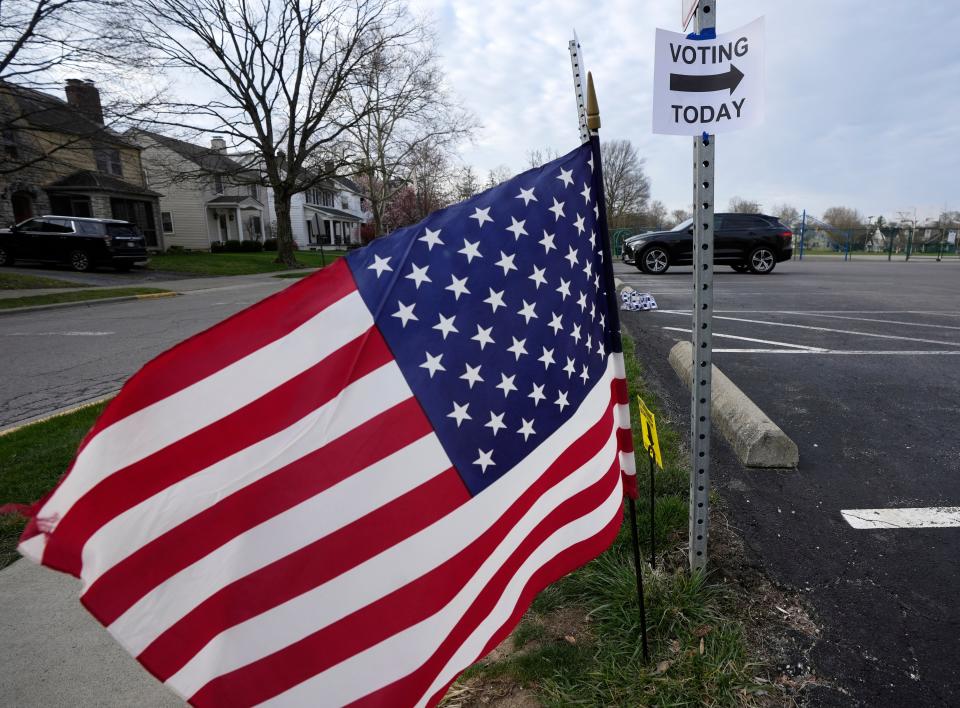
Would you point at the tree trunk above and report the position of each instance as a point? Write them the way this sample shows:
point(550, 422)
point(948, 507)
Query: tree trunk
point(285, 253)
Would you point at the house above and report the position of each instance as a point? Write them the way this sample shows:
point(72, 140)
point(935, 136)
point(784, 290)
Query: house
point(208, 197)
point(58, 157)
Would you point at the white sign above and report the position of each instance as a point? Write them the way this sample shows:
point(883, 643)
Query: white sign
point(689, 7)
point(710, 85)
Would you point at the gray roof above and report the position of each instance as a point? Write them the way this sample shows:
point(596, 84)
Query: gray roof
point(90, 181)
point(206, 158)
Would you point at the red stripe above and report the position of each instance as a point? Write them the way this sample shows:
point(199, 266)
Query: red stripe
point(409, 604)
point(409, 689)
point(303, 570)
point(125, 583)
point(620, 391)
point(268, 415)
point(630, 485)
point(625, 439)
point(231, 340)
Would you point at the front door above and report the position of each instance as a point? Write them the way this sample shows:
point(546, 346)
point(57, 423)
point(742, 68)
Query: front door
point(224, 229)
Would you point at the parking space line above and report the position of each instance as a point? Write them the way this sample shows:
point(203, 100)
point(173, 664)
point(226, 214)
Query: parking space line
point(820, 329)
point(905, 518)
point(856, 352)
point(870, 319)
point(751, 339)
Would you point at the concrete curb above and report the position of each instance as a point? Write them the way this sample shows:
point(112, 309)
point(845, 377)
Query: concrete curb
point(57, 413)
point(756, 439)
point(78, 303)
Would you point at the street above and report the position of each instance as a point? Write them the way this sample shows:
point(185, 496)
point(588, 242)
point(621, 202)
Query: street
point(859, 363)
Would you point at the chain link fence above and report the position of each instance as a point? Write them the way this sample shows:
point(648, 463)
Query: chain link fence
point(900, 242)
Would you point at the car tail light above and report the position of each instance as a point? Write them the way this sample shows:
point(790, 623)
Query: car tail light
point(786, 234)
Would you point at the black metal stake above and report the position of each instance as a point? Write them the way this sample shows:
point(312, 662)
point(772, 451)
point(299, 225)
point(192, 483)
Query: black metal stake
point(637, 567)
point(653, 514)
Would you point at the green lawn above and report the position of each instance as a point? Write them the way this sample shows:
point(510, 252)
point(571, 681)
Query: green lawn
point(76, 296)
point(235, 263)
point(20, 281)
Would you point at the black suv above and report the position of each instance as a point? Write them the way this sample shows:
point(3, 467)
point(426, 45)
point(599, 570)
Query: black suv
point(754, 242)
point(79, 242)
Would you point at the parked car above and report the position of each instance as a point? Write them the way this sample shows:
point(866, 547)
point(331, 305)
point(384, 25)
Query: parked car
point(754, 242)
point(79, 242)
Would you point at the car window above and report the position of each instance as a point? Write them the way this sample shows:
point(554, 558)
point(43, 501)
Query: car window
point(58, 226)
point(31, 225)
point(122, 230)
point(683, 225)
point(741, 221)
point(89, 228)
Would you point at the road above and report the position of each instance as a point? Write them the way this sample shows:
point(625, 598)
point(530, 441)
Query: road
point(859, 363)
point(57, 358)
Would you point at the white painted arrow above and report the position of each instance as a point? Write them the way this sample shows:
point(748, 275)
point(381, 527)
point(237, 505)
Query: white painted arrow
point(906, 518)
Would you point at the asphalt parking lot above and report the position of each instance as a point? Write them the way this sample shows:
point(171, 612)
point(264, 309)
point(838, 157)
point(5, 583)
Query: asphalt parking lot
point(859, 363)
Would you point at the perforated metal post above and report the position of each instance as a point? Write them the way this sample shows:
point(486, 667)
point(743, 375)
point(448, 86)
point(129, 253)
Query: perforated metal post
point(576, 63)
point(703, 169)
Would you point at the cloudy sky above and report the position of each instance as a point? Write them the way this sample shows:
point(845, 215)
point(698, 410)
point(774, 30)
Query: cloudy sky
point(862, 99)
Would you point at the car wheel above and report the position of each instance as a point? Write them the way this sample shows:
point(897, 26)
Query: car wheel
point(80, 261)
point(6, 258)
point(740, 267)
point(762, 260)
point(655, 260)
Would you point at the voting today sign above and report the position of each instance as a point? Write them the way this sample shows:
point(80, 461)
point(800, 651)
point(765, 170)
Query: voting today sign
point(708, 85)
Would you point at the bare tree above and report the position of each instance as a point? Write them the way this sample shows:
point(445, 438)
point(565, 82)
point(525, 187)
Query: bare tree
point(655, 214)
point(497, 175)
point(744, 206)
point(787, 214)
point(541, 156)
point(272, 73)
point(626, 187)
point(843, 217)
point(467, 184)
point(678, 216)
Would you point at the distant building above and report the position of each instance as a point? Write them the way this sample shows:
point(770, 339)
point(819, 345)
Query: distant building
point(60, 158)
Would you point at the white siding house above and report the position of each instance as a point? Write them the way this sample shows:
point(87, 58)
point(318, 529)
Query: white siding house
point(329, 214)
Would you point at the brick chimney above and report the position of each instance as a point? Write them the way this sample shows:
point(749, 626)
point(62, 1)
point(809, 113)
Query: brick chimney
point(218, 145)
point(85, 97)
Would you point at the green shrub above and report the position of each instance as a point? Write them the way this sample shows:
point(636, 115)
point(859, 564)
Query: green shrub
point(250, 247)
point(270, 244)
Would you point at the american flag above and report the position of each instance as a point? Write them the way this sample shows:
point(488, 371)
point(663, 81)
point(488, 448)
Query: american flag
point(351, 491)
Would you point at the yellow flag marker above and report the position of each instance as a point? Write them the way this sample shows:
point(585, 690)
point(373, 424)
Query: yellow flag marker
point(648, 424)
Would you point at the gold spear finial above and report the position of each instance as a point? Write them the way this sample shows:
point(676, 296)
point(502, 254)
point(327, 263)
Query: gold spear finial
point(593, 109)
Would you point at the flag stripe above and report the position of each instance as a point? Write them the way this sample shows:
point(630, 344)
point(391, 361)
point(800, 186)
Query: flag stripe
point(119, 588)
point(232, 339)
point(303, 570)
point(406, 607)
point(163, 423)
point(415, 555)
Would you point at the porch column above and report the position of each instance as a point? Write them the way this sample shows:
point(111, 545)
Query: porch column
point(239, 225)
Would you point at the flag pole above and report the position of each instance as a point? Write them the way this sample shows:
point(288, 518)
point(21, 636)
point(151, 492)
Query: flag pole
point(613, 309)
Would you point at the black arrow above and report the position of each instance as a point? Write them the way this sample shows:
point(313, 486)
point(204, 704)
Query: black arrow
point(708, 82)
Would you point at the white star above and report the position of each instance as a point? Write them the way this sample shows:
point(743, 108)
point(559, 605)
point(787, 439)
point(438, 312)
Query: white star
point(566, 177)
point(575, 333)
point(495, 300)
point(579, 223)
point(536, 394)
point(483, 336)
point(601, 349)
point(470, 250)
point(557, 209)
point(603, 320)
point(458, 286)
point(432, 364)
point(582, 301)
point(589, 341)
point(593, 311)
point(547, 358)
point(562, 400)
point(556, 323)
point(526, 195)
point(517, 228)
point(506, 262)
point(572, 256)
point(596, 211)
point(517, 349)
point(526, 430)
point(547, 241)
point(459, 413)
point(564, 288)
point(537, 276)
point(431, 238)
point(481, 215)
point(419, 275)
point(496, 423)
point(472, 375)
point(506, 384)
point(585, 374)
point(590, 162)
point(405, 313)
point(593, 239)
point(570, 368)
point(588, 268)
point(526, 312)
point(380, 265)
point(586, 193)
point(596, 281)
point(445, 325)
point(485, 460)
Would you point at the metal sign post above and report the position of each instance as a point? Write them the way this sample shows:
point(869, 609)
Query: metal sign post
point(576, 63)
point(704, 147)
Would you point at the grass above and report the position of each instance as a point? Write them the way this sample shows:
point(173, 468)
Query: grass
point(32, 460)
point(698, 654)
point(235, 263)
point(19, 281)
point(75, 296)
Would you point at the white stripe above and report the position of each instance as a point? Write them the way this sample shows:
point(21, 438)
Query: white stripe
point(822, 329)
point(395, 567)
point(124, 534)
point(872, 319)
point(751, 339)
point(574, 532)
point(857, 352)
point(164, 422)
point(32, 548)
point(407, 650)
point(622, 412)
point(906, 518)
